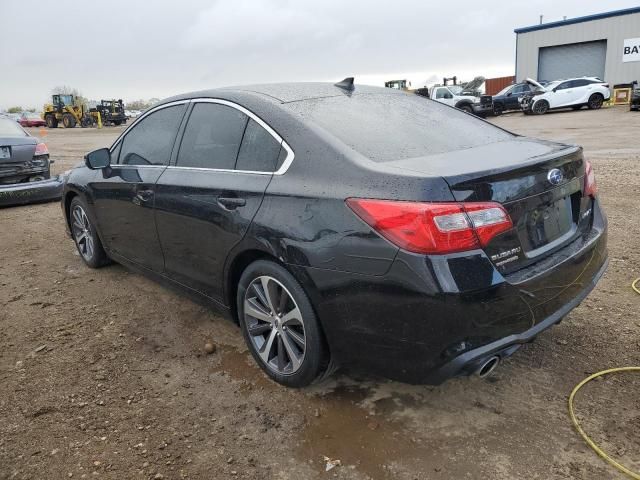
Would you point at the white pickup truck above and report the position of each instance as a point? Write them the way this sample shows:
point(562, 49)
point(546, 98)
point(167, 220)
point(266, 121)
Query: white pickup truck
point(481, 106)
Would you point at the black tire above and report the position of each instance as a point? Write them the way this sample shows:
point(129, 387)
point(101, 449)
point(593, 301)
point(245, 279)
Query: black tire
point(314, 358)
point(498, 109)
point(595, 101)
point(540, 107)
point(89, 246)
point(117, 122)
point(51, 121)
point(68, 120)
point(466, 108)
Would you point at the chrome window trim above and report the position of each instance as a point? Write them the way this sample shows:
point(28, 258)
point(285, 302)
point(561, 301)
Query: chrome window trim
point(223, 170)
point(132, 165)
point(281, 171)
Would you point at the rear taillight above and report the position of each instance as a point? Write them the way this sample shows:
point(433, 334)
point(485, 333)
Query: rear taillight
point(590, 186)
point(433, 228)
point(41, 149)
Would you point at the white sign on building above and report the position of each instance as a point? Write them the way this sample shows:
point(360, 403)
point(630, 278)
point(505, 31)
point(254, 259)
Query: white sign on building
point(631, 50)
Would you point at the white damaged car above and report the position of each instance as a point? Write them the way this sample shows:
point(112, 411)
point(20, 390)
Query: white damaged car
point(571, 93)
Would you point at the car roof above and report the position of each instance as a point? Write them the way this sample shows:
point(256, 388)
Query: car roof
point(285, 92)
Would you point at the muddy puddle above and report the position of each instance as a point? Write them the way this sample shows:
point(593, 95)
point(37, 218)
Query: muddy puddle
point(341, 420)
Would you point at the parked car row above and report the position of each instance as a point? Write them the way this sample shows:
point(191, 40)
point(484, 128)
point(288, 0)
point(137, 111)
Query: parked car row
point(537, 98)
point(530, 96)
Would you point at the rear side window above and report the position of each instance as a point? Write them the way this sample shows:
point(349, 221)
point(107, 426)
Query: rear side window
point(579, 83)
point(259, 151)
point(150, 141)
point(212, 137)
point(395, 126)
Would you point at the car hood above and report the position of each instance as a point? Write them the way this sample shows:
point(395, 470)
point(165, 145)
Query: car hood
point(530, 81)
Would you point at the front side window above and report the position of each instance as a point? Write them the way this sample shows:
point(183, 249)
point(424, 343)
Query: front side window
point(259, 151)
point(441, 93)
point(212, 137)
point(564, 86)
point(151, 140)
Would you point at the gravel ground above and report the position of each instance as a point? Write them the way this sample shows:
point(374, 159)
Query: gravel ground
point(103, 373)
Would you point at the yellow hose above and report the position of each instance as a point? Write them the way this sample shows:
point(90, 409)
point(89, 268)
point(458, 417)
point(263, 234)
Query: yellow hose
point(586, 437)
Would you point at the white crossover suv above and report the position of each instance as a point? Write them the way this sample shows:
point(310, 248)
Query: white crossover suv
point(571, 93)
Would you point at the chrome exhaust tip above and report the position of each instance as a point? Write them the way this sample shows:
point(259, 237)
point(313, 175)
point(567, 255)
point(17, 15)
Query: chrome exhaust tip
point(488, 366)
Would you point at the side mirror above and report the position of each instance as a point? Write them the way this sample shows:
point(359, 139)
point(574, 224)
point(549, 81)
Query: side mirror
point(509, 94)
point(448, 95)
point(98, 159)
point(554, 90)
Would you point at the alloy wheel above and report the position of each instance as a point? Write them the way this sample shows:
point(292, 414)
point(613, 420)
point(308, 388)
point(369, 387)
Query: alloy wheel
point(81, 228)
point(275, 325)
point(541, 107)
point(595, 102)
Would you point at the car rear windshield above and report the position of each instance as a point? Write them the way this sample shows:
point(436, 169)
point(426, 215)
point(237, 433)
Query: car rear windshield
point(387, 127)
point(10, 128)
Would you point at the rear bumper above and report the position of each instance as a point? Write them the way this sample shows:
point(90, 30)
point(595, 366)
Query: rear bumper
point(469, 361)
point(19, 172)
point(431, 318)
point(31, 192)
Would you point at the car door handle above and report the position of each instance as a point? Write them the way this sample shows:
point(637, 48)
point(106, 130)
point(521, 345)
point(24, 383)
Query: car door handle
point(144, 195)
point(231, 203)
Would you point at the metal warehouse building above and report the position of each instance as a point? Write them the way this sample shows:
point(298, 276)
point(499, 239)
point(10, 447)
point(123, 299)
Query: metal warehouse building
point(605, 45)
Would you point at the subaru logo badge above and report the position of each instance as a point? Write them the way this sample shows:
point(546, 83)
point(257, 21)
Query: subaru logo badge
point(555, 176)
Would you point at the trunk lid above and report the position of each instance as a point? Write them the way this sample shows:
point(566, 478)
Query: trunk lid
point(539, 184)
point(15, 154)
point(20, 149)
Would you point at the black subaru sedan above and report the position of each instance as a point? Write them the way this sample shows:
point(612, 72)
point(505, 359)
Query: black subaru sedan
point(347, 225)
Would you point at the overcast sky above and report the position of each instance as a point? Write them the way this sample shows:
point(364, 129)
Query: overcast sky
point(141, 49)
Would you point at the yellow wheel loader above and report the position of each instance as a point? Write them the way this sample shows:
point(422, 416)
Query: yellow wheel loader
point(63, 108)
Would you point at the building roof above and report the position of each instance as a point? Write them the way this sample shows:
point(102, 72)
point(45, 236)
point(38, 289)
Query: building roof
point(571, 21)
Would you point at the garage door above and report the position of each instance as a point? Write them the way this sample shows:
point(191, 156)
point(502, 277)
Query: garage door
point(574, 60)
